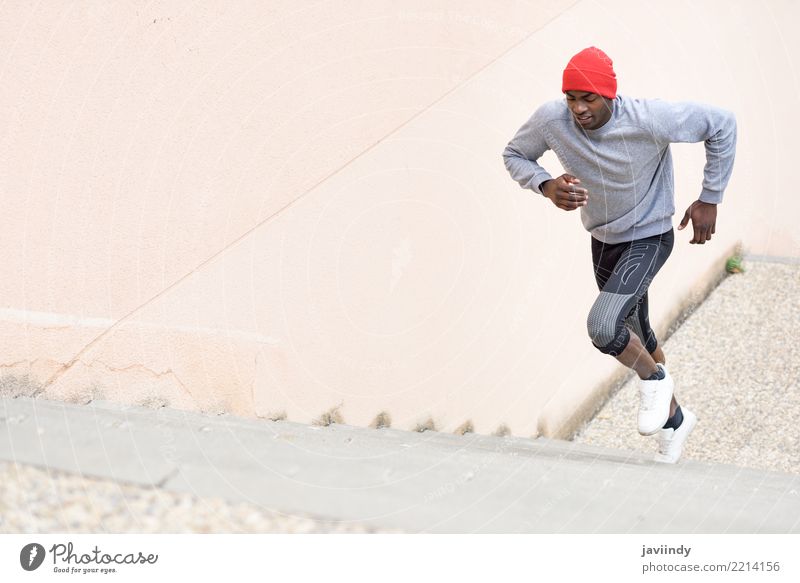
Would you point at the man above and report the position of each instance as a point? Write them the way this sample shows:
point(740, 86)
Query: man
point(616, 153)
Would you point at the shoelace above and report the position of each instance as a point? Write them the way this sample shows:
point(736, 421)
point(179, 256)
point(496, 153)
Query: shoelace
point(648, 399)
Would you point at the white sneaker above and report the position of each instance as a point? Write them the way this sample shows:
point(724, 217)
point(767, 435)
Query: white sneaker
point(654, 400)
point(670, 441)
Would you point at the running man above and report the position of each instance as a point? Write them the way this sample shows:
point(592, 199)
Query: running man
point(616, 152)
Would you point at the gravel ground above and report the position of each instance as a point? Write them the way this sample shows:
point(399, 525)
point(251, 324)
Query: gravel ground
point(736, 365)
point(35, 500)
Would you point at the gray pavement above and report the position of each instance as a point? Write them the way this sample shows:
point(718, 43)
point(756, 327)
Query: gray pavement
point(42, 500)
point(392, 479)
point(108, 468)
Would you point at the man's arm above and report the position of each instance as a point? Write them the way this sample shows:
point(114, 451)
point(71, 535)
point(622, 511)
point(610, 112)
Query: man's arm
point(689, 121)
point(521, 159)
point(698, 122)
point(523, 152)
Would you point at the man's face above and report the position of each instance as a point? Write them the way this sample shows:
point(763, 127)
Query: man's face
point(590, 110)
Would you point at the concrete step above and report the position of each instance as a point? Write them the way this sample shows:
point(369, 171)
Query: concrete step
point(420, 482)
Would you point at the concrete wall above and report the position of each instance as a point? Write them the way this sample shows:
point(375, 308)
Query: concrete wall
point(301, 210)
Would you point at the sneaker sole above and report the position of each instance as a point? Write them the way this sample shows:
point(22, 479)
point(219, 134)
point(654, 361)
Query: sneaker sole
point(657, 429)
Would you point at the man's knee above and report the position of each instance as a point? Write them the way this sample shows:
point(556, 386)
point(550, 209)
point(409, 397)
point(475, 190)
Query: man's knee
point(605, 324)
point(601, 330)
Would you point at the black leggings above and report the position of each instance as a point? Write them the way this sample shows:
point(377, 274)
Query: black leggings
point(623, 272)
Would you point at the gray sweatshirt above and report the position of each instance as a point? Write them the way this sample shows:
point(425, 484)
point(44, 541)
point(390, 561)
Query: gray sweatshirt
point(626, 164)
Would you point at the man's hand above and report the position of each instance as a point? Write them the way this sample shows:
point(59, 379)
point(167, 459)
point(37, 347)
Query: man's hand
point(704, 220)
point(565, 192)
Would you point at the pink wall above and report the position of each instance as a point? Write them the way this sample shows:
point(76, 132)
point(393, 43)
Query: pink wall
point(302, 208)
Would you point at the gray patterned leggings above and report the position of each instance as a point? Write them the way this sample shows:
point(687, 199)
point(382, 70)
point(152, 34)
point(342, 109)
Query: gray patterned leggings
point(623, 272)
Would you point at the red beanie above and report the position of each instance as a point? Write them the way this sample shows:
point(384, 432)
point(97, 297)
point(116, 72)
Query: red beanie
point(591, 70)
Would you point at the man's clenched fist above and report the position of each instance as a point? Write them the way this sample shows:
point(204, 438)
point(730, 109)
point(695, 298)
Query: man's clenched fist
point(565, 192)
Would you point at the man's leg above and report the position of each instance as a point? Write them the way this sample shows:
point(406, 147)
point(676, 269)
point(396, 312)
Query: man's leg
point(659, 356)
point(639, 322)
point(619, 273)
point(635, 356)
point(618, 322)
point(624, 273)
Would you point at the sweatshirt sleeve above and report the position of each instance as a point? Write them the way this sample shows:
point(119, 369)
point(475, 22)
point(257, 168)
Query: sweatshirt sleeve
point(689, 121)
point(523, 152)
